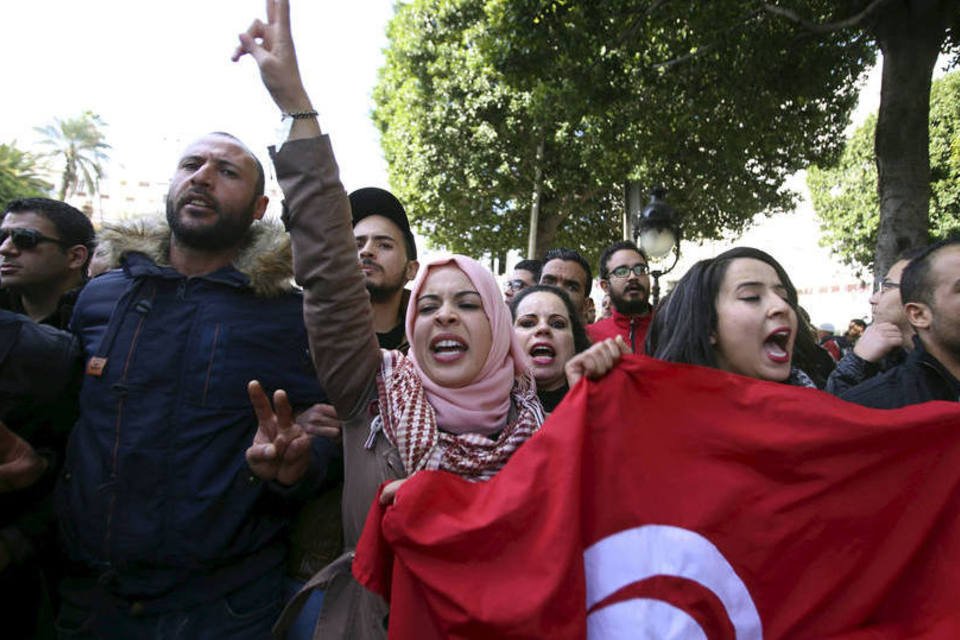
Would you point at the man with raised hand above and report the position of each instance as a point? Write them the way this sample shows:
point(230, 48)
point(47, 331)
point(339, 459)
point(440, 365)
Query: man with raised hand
point(930, 292)
point(172, 519)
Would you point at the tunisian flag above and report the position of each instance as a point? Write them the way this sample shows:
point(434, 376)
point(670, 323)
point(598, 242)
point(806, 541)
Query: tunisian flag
point(671, 501)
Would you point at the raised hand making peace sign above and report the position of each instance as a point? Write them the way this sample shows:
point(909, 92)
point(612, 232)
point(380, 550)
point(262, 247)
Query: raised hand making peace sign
point(281, 448)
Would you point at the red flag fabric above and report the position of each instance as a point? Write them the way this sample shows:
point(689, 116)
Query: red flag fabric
point(671, 501)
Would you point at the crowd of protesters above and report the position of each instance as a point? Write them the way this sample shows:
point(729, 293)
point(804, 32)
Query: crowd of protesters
point(189, 441)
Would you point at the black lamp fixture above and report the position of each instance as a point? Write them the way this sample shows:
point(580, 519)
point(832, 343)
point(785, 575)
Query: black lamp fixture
point(656, 230)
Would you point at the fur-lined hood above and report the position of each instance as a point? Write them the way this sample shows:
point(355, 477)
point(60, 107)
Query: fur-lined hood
point(265, 257)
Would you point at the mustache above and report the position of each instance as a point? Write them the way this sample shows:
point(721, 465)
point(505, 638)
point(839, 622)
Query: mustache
point(367, 262)
point(198, 193)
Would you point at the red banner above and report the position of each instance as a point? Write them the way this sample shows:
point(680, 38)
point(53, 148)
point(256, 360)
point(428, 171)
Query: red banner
point(669, 501)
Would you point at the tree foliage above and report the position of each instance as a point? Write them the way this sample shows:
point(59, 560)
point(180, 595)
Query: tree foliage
point(845, 195)
point(717, 101)
point(19, 177)
point(78, 145)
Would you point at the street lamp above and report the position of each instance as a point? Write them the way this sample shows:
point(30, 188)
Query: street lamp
point(655, 230)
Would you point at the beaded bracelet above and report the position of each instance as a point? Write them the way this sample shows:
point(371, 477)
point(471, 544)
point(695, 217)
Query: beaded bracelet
point(299, 115)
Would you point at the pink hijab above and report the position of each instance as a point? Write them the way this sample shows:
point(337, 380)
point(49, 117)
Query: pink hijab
point(481, 406)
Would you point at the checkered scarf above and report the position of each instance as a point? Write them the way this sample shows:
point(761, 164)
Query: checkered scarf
point(410, 423)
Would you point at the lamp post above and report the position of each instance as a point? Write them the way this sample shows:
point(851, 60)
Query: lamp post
point(656, 230)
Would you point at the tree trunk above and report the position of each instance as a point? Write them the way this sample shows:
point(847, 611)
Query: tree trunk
point(535, 204)
point(550, 219)
point(910, 35)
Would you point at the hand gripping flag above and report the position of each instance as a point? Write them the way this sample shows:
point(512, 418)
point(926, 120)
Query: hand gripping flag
point(671, 501)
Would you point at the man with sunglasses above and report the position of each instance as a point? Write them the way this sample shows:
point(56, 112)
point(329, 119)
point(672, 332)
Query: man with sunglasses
point(624, 277)
point(45, 246)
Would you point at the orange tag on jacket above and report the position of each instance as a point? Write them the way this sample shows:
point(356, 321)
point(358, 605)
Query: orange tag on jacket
point(96, 365)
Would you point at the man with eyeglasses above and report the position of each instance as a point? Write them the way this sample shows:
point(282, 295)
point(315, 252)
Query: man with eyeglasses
point(45, 246)
point(929, 290)
point(526, 273)
point(624, 277)
point(885, 343)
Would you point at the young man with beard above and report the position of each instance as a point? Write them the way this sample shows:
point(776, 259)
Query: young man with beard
point(930, 292)
point(388, 257)
point(623, 276)
point(174, 499)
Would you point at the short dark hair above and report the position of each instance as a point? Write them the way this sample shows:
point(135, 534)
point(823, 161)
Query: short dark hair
point(533, 266)
point(72, 225)
point(860, 322)
point(260, 185)
point(915, 283)
point(562, 253)
point(580, 340)
point(686, 318)
point(612, 249)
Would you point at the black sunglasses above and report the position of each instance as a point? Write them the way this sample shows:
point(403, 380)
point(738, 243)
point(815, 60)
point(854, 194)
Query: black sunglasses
point(25, 239)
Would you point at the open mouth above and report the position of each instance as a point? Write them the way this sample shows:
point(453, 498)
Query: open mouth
point(777, 345)
point(198, 201)
point(447, 349)
point(542, 353)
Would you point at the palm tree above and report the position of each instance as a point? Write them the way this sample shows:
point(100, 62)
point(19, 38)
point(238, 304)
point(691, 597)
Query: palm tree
point(80, 144)
point(18, 175)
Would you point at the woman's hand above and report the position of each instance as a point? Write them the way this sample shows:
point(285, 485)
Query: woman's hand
point(280, 449)
point(389, 494)
point(596, 361)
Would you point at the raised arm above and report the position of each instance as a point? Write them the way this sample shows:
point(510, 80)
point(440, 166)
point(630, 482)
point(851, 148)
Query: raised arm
point(337, 309)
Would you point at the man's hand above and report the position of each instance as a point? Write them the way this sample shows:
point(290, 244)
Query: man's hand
point(321, 420)
point(596, 361)
point(20, 466)
point(271, 45)
point(280, 449)
point(878, 340)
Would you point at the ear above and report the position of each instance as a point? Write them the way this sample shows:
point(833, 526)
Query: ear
point(918, 315)
point(411, 271)
point(260, 207)
point(76, 256)
point(605, 285)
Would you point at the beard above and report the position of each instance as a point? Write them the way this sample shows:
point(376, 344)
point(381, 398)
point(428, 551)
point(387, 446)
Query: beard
point(630, 307)
point(226, 232)
point(387, 288)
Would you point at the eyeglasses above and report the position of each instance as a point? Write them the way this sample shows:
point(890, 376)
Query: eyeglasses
point(25, 239)
point(887, 284)
point(516, 285)
point(624, 271)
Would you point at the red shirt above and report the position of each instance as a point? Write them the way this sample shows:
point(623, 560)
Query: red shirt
point(632, 328)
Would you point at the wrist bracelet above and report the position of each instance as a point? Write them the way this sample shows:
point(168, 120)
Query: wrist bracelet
point(299, 115)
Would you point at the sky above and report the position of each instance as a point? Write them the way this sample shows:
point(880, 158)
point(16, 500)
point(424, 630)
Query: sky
point(160, 75)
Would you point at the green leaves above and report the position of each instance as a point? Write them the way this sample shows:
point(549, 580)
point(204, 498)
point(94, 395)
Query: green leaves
point(79, 146)
point(718, 101)
point(845, 194)
point(19, 177)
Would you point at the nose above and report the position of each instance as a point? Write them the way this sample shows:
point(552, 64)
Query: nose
point(777, 306)
point(543, 328)
point(446, 315)
point(7, 248)
point(875, 297)
point(203, 174)
point(366, 249)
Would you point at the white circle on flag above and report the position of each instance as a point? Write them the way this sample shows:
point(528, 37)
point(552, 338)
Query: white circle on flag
point(643, 552)
point(643, 618)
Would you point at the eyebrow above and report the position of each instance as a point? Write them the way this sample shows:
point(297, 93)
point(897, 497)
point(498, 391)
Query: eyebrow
point(459, 294)
point(752, 283)
point(381, 236)
point(221, 162)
